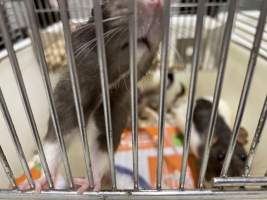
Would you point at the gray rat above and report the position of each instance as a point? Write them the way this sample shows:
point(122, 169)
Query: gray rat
point(221, 140)
point(116, 34)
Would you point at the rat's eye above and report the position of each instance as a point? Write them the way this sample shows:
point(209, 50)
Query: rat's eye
point(243, 157)
point(221, 156)
point(171, 77)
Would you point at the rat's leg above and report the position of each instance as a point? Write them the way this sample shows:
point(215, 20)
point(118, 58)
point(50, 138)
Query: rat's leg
point(120, 104)
point(53, 156)
point(67, 118)
point(99, 158)
point(100, 168)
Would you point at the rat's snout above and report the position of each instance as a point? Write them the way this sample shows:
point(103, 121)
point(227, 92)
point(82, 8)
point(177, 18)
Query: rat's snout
point(155, 4)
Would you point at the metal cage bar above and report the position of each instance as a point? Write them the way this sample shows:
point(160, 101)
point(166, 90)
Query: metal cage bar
point(218, 89)
point(136, 193)
point(101, 52)
point(17, 19)
point(42, 19)
point(76, 90)
point(155, 195)
point(246, 87)
point(163, 80)
point(24, 96)
point(192, 90)
point(44, 71)
point(134, 92)
point(256, 139)
point(15, 138)
point(7, 169)
point(51, 38)
point(244, 35)
point(239, 181)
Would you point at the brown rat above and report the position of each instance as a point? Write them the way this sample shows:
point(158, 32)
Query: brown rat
point(116, 33)
point(221, 140)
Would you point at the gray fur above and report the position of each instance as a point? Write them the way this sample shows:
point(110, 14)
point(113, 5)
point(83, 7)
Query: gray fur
point(117, 51)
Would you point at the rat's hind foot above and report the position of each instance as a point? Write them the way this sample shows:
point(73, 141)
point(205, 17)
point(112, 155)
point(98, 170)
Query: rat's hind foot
point(84, 185)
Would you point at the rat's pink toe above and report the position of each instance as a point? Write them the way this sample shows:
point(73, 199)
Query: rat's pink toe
point(83, 185)
point(97, 187)
point(38, 187)
point(24, 186)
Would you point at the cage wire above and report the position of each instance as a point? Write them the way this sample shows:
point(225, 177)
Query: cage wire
point(249, 31)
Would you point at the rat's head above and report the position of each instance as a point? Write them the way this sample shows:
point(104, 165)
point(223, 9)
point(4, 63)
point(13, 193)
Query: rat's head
point(116, 35)
point(218, 153)
point(149, 19)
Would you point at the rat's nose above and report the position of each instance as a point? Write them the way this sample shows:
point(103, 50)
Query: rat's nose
point(154, 3)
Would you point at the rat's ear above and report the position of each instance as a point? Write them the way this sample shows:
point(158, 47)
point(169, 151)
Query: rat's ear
point(215, 139)
point(242, 136)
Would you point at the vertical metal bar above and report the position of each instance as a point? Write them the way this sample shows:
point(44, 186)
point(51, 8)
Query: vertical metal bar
point(24, 96)
point(76, 90)
point(219, 34)
point(203, 45)
point(53, 35)
point(46, 18)
point(8, 17)
point(191, 18)
point(49, 13)
point(49, 91)
point(16, 18)
point(246, 88)
point(27, 23)
point(42, 18)
point(163, 80)
point(208, 28)
point(183, 10)
point(192, 90)
point(104, 86)
point(7, 169)
point(24, 19)
point(14, 136)
point(256, 139)
point(134, 93)
point(192, 21)
point(213, 37)
point(218, 89)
